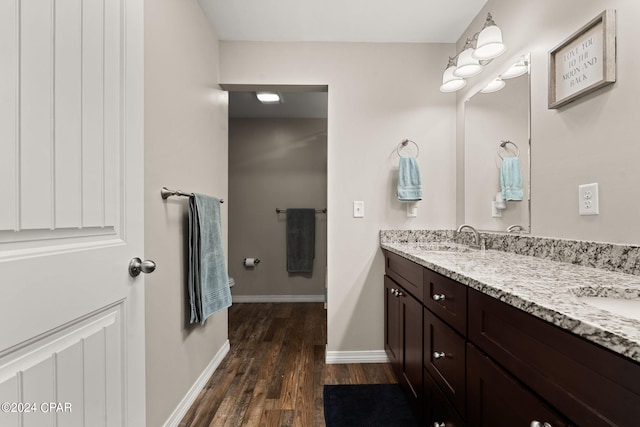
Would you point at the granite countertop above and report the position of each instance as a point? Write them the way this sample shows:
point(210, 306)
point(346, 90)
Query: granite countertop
point(544, 288)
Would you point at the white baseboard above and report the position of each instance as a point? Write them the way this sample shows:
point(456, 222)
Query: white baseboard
point(196, 388)
point(371, 356)
point(277, 298)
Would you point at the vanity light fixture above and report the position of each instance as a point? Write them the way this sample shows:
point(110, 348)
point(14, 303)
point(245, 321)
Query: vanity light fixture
point(471, 61)
point(269, 97)
point(451, 83)
point(516, 70)
point(467, 65)
point(494, 86)
point(489, 43)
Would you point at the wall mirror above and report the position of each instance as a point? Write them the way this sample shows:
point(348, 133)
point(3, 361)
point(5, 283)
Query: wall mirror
point(497, 126)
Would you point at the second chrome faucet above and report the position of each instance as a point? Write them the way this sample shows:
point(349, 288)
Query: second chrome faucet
point(476, 235)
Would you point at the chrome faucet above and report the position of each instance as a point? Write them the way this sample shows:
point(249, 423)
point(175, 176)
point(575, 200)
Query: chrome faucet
point(515, 228)
point(476, 235)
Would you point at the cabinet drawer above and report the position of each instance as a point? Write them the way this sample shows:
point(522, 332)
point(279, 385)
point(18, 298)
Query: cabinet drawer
point(444, 358)
point(498, 399)
point(438, 410)
point(589, 384)
point(447, 299)
point(406, 273)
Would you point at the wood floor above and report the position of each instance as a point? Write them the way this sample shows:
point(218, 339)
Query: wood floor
point(275, 371)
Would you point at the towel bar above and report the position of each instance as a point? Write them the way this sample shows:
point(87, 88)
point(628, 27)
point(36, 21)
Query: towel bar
point(165, 193)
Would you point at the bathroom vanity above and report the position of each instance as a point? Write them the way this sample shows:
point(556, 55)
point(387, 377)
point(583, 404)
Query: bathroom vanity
point(492, 338)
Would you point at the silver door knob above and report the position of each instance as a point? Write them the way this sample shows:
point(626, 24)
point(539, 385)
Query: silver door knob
point(137, 266)
point(439, 355)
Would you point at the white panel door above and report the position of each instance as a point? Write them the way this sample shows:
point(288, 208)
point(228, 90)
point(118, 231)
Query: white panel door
point(71, 213)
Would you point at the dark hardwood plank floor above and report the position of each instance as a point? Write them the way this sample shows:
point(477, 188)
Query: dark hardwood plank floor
point(275, 372)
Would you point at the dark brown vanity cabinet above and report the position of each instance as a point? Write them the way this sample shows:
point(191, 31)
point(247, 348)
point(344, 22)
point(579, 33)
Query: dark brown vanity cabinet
point(403, 337)
point(495, 398)
point(588, 384)
point(469, 359)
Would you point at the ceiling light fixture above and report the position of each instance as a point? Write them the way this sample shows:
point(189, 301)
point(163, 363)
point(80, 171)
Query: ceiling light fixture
point(269, 97)
point(471, 61)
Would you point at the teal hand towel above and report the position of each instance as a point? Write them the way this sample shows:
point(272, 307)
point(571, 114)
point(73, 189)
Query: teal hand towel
point(208, 280)
point(511, 179)
point(409, 185)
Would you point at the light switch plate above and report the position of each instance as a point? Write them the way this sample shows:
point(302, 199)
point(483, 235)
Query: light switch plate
point(358, 209)
point(588, 199)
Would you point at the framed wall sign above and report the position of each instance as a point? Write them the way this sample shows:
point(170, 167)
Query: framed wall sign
point(584, 62)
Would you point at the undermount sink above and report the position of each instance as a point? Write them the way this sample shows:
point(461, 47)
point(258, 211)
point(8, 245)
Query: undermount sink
point(621, 306)
point(445, 247)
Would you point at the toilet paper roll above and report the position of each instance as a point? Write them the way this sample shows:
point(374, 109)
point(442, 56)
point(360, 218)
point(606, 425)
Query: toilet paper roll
point(251, 262)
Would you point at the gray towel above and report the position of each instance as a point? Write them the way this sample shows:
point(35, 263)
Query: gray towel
point(208, 279)
point(301, 240)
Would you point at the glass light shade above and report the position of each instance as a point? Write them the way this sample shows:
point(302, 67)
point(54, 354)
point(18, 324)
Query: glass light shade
point(468, 66)
point(494, 86)
point(451, 83)
point(489, 44)
point(516, 70)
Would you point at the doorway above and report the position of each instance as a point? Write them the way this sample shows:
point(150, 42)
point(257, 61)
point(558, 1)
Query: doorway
point(277, 161)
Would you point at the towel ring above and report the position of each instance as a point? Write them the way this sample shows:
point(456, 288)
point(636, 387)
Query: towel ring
point(404, 143)
point(503, 144)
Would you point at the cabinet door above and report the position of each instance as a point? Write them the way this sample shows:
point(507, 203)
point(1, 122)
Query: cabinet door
point(411, 326)
point(392, 337)
point(403, 336)
point(494, 398)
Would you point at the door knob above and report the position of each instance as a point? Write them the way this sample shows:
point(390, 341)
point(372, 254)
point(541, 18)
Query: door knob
point(137, 266)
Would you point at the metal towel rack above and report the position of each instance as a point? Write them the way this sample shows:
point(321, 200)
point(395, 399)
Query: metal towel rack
point(503, 144)
point(323, 210)
point(166, 193)
point(404, 143)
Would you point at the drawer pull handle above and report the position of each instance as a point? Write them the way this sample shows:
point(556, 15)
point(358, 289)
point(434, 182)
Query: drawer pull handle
point(535, 423)
point(438, 297)
point(437, 424)
point(396, 292)
point(439, 355)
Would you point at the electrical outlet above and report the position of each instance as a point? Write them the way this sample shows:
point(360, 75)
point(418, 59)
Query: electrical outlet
point(588, 199)
point(412, 210)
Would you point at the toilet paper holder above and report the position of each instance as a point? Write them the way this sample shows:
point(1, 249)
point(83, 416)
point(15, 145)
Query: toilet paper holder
point(251, 262)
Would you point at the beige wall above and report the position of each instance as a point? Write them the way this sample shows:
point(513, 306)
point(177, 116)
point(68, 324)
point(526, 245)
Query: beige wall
point(275, 163)
point(378, 95)
point(185, 148)
point(593, 139)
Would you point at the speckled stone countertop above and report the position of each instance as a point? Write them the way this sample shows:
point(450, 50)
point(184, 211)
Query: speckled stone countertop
point(545, 288)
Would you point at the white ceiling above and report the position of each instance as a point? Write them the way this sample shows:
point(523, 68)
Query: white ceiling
point(411, 21)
